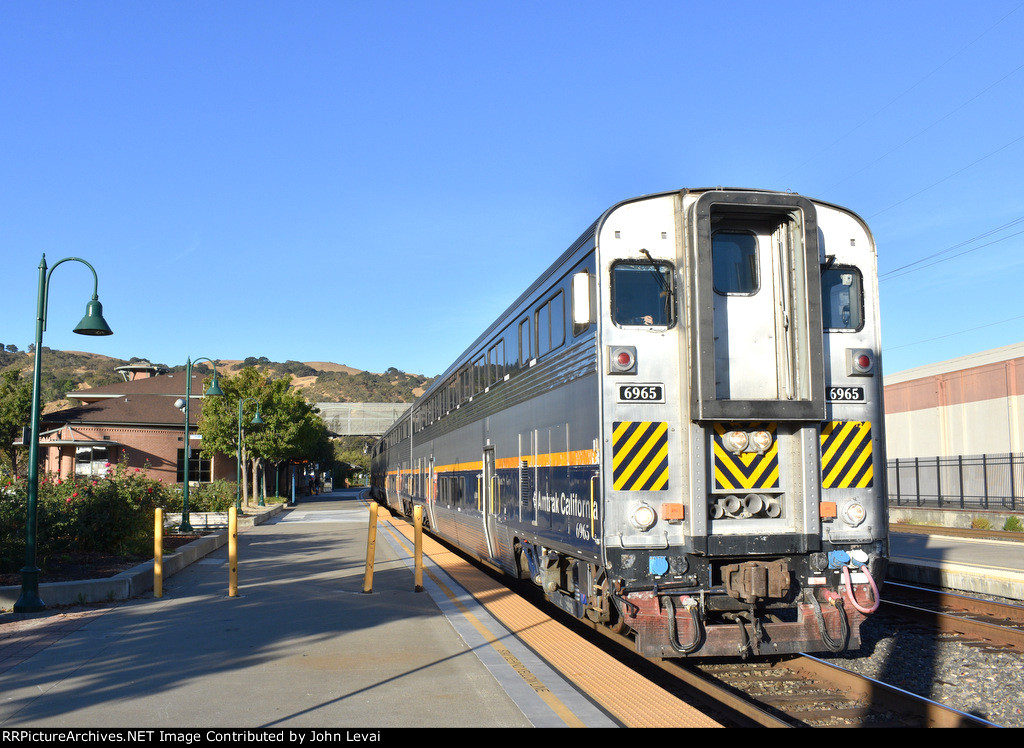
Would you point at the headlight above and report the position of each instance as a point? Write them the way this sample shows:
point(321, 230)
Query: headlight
point(854, 513)
point(643, 517)
point(735, 441)
point(762, 441)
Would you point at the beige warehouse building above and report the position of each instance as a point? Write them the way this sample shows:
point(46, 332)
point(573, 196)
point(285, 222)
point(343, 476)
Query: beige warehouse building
point(965, 406)
point(955, 433)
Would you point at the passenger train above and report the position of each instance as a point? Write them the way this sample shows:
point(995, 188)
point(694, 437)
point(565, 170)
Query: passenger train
point(676, 431)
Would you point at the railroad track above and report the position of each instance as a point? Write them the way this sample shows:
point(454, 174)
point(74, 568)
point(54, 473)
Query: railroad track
point(795, 691)
point(798, 691)
point(812, 692)
point(791, 691)
point(803, 691)
point(976, 622)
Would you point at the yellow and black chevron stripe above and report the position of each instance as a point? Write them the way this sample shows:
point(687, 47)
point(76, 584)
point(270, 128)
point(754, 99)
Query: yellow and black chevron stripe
point(846, 455)
point(748, 470)
point(640, 456)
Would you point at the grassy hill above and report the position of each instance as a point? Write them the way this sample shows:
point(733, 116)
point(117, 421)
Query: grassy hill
point(319, 381)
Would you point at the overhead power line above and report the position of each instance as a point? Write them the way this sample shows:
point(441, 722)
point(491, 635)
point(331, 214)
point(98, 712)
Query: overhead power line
point(922, 263)
point(924, 130)
point(953, 334)
point(921, 80)
point(947, 178)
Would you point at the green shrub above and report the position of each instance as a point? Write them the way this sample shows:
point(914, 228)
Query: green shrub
point(112, 514)
point(218, 496)
point(1013, 524)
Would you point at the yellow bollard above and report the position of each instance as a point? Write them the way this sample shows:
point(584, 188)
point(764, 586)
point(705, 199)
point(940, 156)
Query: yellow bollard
point(158, 554)
point(417, 518)
point(232, 552)
point(371, 543)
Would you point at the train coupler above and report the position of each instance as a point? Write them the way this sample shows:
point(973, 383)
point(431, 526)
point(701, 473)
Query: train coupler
point(753, 581)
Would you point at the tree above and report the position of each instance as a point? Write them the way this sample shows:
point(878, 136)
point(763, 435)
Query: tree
point(291, 428)
point(15, 413)
point(353, 454)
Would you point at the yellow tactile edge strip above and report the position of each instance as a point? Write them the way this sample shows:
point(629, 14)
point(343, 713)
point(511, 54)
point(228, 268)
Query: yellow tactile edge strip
point(624, 694)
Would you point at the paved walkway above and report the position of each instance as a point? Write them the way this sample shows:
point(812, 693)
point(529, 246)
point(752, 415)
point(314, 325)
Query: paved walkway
point(301, 645)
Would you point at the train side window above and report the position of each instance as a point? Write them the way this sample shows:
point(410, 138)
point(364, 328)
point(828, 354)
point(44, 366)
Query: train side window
point(642, 294)
point(550, 325)
point(543, 329)
point(480, 374)
point(842, 299)
point(511, 352)
point(734, 262)
point(525, 344)
point(496, 362)
point(557, 304)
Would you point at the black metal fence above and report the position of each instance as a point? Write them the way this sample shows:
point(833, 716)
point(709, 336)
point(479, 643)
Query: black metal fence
point(992, 481)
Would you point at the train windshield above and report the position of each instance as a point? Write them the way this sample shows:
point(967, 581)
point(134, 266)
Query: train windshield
point(842, 299)
point(642, 294)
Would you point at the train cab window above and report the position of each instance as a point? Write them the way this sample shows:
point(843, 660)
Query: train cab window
point(734, 262)
point(642, 294)
point(842, 299)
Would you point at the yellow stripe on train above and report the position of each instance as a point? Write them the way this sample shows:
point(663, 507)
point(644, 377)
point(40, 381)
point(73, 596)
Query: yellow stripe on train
point(640, 456)
point(846, 455)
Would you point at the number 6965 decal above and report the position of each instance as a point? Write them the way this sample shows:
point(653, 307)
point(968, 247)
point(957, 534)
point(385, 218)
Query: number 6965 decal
point(641, 393)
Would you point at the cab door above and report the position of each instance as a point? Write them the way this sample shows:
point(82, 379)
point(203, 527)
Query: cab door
point(747, 307)
point(756, 306)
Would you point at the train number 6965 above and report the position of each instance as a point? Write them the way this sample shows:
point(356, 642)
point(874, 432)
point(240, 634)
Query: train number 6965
point(641, 393)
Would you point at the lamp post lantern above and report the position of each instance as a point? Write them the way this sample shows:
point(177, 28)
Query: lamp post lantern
point(92, 324)
point(214, 391)
point(256, 421)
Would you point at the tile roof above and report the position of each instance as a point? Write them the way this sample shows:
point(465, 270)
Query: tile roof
point(138, 410)
point(166, 384)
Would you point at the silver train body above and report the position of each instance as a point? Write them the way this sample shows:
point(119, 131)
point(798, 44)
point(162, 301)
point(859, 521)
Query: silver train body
point(676, 431)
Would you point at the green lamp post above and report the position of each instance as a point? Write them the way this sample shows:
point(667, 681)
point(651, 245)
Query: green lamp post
point(92, 324)
point(214, 391)
point(257, 421)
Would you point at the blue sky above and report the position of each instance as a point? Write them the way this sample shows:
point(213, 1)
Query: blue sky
point(370, 183)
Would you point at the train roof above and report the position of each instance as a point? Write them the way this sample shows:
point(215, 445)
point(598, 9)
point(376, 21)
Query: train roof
point(585, 238)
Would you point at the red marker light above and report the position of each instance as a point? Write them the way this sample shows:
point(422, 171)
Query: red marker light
point(860, 362)
point(622, 360)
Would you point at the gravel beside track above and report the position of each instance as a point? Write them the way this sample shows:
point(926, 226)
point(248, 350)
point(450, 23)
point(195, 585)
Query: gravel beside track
point(977, 680)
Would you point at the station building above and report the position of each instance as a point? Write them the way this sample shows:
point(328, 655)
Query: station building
point(138, 421)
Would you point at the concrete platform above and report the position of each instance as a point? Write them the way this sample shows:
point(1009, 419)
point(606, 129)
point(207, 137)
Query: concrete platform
point(302, 645)
point(984, 566)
